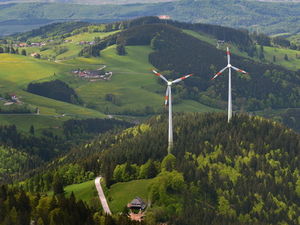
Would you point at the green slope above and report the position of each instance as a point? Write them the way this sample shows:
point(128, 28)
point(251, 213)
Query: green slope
point(120, 194)
point(16, 72)
point(85, 191)
point(132, 83)
point(293, 61)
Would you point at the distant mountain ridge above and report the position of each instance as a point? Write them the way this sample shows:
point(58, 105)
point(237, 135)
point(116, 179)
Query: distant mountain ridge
point(100, 2)
point(90, 2)
point(266, 17)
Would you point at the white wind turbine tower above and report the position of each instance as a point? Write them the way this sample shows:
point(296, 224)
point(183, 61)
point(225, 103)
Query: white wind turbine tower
point(229, 67)
point(169, 98)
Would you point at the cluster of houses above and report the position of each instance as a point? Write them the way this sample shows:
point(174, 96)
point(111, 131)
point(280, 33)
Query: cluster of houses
point(13, 99)
point(93, 75)
point(33, 44)
point(86, 42)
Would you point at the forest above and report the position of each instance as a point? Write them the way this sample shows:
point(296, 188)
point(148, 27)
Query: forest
point(245, 172)
point(22, 154)
point(22, 208)
point(233, 173)
point(55, 89)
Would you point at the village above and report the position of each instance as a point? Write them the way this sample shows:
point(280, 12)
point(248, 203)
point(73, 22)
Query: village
point(41, 44)
point(93, 75)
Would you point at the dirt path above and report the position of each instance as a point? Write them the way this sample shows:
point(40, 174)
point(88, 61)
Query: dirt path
point(102, 196)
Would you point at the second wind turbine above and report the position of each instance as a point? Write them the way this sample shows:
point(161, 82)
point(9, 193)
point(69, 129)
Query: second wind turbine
point(229, 67)
point(169, 98)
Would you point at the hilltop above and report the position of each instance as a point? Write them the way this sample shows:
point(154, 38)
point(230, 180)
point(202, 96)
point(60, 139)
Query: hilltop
point(234, 173)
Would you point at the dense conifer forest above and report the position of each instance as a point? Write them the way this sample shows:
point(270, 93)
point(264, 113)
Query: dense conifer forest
point(22, 208)
point(55, 89)
point(245, 172)
point(22, 153)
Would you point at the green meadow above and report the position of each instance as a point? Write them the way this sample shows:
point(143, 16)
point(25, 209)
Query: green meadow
point(84, 191)
point(293, 61)
point(133, 84)
point(120, 194)
point(17, 72)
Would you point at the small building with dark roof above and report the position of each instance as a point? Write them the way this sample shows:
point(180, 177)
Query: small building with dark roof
point(137, 203)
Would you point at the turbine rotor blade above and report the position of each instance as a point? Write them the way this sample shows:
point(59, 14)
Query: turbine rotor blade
point(181, 78)
point(167, 96)
point(228, 55)
point(159, 75)
point(219, 73)
point(238, 70)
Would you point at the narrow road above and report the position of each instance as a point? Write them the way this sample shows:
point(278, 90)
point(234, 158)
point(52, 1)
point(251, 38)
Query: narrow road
point(102, 196)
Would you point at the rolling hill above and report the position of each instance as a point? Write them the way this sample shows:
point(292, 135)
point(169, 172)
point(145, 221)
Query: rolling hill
point(226, 171)
point(132, 89)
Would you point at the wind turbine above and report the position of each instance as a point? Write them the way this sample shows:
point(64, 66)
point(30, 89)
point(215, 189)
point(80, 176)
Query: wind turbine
point(169, 98)
point(229, 67)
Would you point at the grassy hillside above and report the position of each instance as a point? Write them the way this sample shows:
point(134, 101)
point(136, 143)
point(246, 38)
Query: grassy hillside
point(85, 191)
point(70, 44)
point(120, 194)
point(133, 87)
point(16, 72)
point(292, 62)
point(132, 83)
